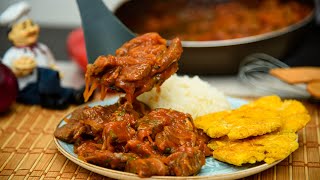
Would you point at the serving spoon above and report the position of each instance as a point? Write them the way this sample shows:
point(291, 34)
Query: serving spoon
point(103, 31)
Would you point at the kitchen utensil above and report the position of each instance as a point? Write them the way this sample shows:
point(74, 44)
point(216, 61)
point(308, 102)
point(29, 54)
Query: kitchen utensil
point(254, 71)
point(103, 32)
point(224, 56)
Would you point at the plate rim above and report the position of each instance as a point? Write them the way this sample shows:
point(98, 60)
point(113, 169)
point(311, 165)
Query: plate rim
point(126, 175)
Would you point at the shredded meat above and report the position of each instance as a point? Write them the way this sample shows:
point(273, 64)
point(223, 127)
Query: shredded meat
point(162, 142)
point(128, 136)
point(138, 66)
point(91, 121)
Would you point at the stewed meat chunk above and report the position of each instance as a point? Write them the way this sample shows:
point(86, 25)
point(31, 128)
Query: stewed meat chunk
point(138, 66)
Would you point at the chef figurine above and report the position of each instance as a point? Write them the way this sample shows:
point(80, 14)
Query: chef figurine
point(33, 63)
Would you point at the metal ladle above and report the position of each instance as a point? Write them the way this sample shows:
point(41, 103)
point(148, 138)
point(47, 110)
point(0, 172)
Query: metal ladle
point(103, 31)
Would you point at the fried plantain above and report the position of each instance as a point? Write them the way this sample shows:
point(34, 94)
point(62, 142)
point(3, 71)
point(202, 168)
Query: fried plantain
point(249, 121)
point(269, 148)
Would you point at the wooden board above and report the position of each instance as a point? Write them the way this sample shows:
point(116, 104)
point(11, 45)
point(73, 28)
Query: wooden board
point(27, 149)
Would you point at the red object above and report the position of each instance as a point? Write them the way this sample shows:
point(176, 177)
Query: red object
point(77, 49)
point(8, 88)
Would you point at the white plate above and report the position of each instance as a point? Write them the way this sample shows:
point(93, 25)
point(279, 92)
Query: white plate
point(213, 169)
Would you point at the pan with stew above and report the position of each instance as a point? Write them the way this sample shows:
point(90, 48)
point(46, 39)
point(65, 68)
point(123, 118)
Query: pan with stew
point(217, 35)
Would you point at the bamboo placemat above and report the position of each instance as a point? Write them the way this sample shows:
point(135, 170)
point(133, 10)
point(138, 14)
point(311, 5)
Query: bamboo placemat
point(27, 150)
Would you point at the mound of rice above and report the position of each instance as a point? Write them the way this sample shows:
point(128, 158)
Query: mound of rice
point(188, 95)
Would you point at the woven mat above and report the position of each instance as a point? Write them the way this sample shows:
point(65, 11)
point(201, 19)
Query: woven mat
point(27, 150)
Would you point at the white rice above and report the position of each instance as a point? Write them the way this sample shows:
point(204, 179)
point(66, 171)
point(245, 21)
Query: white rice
point(188, 95)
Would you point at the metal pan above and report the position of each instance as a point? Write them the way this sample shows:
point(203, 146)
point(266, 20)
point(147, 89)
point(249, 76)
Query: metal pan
point(224, 56)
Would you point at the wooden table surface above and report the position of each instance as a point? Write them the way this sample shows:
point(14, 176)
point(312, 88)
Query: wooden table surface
point(27, 149)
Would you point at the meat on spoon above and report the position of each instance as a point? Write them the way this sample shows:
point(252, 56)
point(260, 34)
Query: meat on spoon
point(138, 66)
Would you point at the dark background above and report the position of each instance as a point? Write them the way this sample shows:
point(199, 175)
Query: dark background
point(306, 54)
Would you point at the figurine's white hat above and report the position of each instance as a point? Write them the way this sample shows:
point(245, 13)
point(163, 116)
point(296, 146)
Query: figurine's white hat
point(15, 13)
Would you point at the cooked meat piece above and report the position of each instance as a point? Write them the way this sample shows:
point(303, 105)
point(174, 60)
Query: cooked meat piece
point(70, 131)
point(92, 120)
point(109, 159)
point(116, 132)
point(147, 167)
point(125, 112)
point(86, 148)
point(91, 152)
point(141, 108)
point(157, 119)
point(86, 120)
point(135, 72)
point(97, 113)
point(142, 149)
point(95, 117)
point(153, 123)
point(170, 139)
point(138, 66)
point(168, 128)
point(185, 163)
